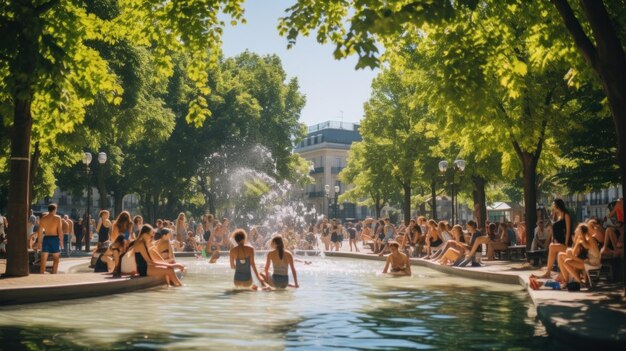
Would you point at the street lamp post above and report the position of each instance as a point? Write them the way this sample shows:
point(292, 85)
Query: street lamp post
point(336, 205)
point(87, 158)
point(327, 196)
point(459, 166)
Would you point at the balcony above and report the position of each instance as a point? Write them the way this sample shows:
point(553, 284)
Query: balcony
point(335, 170)
point(317, 170)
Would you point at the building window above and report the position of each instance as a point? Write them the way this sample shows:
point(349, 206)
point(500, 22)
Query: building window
point(338, 162)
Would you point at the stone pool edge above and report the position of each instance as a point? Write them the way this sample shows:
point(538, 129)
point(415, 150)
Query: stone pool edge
point(557, 326)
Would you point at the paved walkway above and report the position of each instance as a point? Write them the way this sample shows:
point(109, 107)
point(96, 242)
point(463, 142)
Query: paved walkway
point(587, 318)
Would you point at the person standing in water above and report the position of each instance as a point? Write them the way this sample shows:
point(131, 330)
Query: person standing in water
point(399, 262)
point(281, 261)
point(242, 261)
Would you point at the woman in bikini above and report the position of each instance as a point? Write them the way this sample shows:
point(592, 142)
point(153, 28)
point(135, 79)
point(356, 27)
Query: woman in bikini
point(153, 265)
point(571, 263)
point(397, 261)
point(123, 225)
point(242, 261)
point(281, 261)
point(163, 246)
point(104, 226)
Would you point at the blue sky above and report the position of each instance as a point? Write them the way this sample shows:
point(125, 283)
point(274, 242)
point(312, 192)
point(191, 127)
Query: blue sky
point(330, 86)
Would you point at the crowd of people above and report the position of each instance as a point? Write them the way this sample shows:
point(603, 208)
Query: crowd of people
point(126, 245)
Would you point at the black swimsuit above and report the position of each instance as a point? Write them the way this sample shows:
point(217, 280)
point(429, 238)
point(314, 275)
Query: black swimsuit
point(142, 265)
point(558, 231)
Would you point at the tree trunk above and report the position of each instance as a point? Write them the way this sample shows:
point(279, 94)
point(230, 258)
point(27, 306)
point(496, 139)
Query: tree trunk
point(17, 216)
point(529, 164)
point(34, 164)
point(422, 205)
point(118, 198)
point(103, 201)
point(480, 199)
point(608, 60)
point(433, 194)
point(377, 207)
point(211, 198)
point(407, 204)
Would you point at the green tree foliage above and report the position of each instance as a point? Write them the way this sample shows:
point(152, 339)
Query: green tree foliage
point(49, 74)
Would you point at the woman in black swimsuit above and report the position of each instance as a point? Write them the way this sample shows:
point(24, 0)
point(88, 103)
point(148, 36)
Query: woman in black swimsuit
point(111, 257)
point(560, 234)
point(150, 266)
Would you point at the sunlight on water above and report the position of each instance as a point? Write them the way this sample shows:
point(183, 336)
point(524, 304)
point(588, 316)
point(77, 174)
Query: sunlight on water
point(341, 304)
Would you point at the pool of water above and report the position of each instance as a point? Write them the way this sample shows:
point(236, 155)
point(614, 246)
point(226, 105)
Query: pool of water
point(341, 304)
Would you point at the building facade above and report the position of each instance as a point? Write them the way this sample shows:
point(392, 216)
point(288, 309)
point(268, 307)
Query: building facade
point(326, 148)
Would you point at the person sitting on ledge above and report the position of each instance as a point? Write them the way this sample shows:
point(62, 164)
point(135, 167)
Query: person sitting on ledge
point(399, 262)
point(585, 251)
point(110, 258)
point(162, 245)
point(150, 266)
point(476, 241)
point(614, 241)
point(560, 235)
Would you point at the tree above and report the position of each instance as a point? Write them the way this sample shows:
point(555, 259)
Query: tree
point(600, 40)
point(49, 75)
point(370, 181)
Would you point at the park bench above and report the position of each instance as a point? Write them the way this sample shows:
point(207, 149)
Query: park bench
point(518, 250)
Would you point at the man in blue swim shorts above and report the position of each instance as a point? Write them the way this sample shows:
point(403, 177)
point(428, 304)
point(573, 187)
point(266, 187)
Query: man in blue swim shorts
point(51, 242)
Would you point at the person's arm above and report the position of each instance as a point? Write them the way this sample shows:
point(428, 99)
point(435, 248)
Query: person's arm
point(267, 265)
point(568, 227)
point(99, 225)
point(39, 237)
point(60, 232)
point(293, 271)
point(253, 264)
point(407, 262)
point(386, 269)
point(232, 259)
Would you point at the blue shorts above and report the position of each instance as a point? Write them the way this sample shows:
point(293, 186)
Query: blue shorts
point(51, 244)
point(66, 240)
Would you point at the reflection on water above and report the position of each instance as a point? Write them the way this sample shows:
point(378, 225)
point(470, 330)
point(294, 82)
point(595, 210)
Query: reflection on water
point(341, 304)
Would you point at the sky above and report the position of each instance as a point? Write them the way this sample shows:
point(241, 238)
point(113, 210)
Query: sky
point(333, 88)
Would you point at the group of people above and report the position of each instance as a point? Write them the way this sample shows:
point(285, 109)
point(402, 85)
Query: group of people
point(591, 241)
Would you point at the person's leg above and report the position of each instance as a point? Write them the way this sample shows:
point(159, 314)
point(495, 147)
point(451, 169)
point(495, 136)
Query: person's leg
point(55, 262)
point(574, 266)
point(533, 245)
point(553, 251)
point(42, 263)
point(561, 257)
point(109, 261)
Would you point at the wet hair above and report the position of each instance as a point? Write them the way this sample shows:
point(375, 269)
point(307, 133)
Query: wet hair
point(280, 246)
point(471, 223)
point(560, 204)
point(52, 207)
point(240, 236)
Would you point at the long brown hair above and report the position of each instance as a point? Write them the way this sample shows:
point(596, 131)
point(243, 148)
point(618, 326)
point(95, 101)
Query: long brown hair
point(280, 246)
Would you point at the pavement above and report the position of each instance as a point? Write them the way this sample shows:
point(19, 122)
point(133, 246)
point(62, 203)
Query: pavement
point(594, 318)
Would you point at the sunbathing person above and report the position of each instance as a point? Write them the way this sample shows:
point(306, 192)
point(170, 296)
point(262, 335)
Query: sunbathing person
point(585, 251)
point(163, 246)
point(433, 238)
point(614, 241)
point(476, 241)
point(111, 257)
point(153, 265)
point(454, 248)
point(560, 235)
point(399, 262)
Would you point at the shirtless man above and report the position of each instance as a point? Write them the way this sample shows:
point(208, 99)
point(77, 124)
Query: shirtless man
point(68, 230)
point(52, 242)
point(399, 262)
